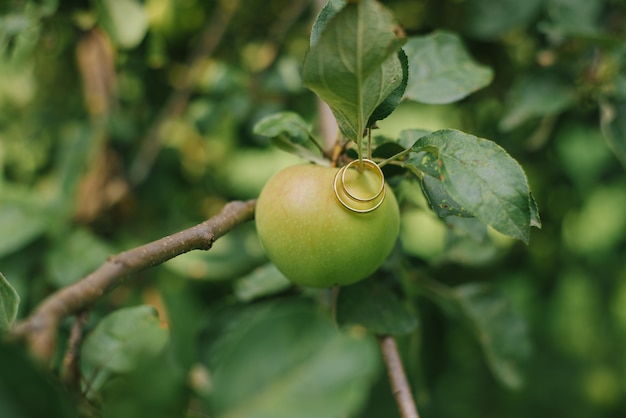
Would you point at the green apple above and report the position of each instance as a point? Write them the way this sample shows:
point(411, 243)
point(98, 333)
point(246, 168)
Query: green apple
point(313, 239)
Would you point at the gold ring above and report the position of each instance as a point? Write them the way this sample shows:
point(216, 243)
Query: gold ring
point(349, 200)
point(373, 167)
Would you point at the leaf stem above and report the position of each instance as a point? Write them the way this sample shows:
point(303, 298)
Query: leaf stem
point(317, 144)
point(394, 157)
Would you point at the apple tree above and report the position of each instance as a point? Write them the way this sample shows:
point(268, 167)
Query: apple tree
point(356, 188)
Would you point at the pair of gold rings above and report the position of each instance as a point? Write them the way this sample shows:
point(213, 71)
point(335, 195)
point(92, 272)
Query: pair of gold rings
point(349, 199)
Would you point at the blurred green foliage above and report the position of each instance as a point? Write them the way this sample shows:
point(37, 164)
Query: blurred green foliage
point(114, 131)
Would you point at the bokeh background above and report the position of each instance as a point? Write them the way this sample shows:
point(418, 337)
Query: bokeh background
point(124, 121)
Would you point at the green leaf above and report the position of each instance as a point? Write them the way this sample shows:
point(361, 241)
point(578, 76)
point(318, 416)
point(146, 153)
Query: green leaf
point(28, 392)
point(613, 124)
point(262, 281)
point(284, 360)
point(535, 219)
point(328, 12)
point(375, 307)
point(9, 302)
point(120, 343)
point(156, 388)
point(440, 201)
point(533, 96)
point(287, 125)
point(126, 20)
point(288, 131)
point(500, 330)
point(441, 70)
point(482, 178)
point(395, 97)
point(469, 243)
point(354, 65)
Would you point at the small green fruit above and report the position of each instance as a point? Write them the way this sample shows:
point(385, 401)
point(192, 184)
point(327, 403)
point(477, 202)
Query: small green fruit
point(315, 241)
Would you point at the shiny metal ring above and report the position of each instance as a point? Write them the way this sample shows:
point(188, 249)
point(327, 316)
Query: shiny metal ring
point(346, 198)
point(372, 167)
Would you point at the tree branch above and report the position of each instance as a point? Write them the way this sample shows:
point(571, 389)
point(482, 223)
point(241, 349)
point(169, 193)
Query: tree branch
point(397, 377)
point(40, 328)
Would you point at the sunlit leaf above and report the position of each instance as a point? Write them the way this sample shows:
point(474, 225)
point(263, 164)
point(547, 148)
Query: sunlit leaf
point(120, 343)
point(375, 307)
point(288, 131)
point(9, 302)
point(127, 21)
point(482, 178)
point(441, 70)
point(283, 360)
point(354, 65)
point(499, 328)
point(287, 125)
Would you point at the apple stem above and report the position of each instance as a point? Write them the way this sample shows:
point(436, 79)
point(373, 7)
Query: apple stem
point(394, 157)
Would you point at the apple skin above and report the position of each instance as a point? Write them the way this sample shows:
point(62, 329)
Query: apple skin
point(312, 239)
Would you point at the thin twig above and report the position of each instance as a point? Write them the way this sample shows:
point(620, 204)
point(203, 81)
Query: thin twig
point(71, 361)
point(39, 329)
point(397, 377)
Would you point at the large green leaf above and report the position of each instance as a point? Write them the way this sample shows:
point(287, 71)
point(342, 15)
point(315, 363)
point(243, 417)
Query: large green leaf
point(9, 302)
point(354, 65)
point(284, 360)
point(499, 328)
point(121, 343)
point(483, 179)
point(441, 70)
point(374, 307)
